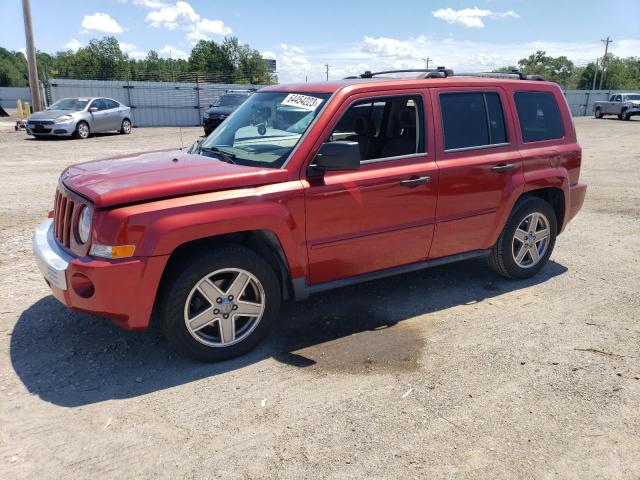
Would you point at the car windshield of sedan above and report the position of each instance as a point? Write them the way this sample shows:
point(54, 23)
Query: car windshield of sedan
point(72, 104)
point(264, 130)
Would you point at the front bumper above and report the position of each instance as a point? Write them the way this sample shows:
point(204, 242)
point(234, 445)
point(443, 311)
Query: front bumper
point(123, 290)
point(59, 130)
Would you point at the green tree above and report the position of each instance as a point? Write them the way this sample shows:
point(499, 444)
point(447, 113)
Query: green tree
point(210, 58)
point(555, 69)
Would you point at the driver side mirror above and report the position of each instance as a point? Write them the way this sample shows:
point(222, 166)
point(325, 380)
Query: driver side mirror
point(335, 156)
point(93, 109)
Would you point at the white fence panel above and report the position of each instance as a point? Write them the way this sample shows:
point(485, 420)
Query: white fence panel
point(10, 95)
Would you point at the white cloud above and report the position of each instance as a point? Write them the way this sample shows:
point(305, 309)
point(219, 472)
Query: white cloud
point(383, 53)
point(172, 52)
point(388, 47)
point(150, 3)
point(73, 44)
point(205, 28)
point(101, 22)
point(269, 55)
point(132, 51)
point(170, 16)
point(470, 17)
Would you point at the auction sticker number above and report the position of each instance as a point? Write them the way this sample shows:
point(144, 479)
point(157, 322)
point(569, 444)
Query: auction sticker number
point(305, 102)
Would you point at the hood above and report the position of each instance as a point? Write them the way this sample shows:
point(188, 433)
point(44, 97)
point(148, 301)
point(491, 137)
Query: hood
point(141, 177)
point(50, 114)
point(221, 110)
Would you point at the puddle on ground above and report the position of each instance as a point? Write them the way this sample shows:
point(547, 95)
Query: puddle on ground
point(384, 348)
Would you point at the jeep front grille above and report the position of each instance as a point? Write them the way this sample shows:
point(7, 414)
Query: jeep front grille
point(63, 215)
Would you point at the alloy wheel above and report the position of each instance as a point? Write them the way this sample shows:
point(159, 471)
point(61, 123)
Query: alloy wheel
point(531, 240)
point(224, 307)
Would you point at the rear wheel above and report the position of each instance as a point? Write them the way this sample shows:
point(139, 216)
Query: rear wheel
point(82, 130)
point(125, 128)
point(220, 304)
point(526, 243)
point(597, 112)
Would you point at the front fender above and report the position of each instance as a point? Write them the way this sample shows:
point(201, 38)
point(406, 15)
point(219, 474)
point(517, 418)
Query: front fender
point(159, 227)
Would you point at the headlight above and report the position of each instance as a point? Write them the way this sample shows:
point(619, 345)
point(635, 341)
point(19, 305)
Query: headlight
point(206, 115)
point(84, 224)
point(64, 119)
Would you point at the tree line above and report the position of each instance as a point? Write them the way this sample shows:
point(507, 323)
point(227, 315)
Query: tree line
point(103, 59)
point(619, 74)
point(231, 62)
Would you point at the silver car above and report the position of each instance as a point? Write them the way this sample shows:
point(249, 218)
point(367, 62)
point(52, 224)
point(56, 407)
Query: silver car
point(80, 117)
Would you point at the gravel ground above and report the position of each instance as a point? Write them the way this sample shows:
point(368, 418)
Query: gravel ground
point(446, 373)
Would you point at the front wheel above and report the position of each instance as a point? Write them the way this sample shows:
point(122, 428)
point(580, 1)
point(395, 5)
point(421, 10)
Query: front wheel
point(624, 115)
point(82, 130)
point(526, 243)
point(597, 113)
point(220, 304)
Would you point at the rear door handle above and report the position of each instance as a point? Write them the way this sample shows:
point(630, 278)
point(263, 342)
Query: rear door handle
point(502, 168)
point(414, 182)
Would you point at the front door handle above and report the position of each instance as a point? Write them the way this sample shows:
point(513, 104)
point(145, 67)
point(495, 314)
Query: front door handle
point(505, 167)
point(414, 182)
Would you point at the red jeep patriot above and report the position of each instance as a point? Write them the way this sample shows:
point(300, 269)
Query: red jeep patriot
point(313, 186)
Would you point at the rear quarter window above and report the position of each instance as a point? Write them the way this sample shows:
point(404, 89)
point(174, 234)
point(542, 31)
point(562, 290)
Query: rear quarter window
point(539, 116)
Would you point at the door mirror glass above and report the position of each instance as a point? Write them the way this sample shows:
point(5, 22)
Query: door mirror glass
point(340, 155)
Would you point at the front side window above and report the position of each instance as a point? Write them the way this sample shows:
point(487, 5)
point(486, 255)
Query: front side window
point(383, 127)
point(618, 98)
point(539, 116)
point(265, 129)
point(472, 120)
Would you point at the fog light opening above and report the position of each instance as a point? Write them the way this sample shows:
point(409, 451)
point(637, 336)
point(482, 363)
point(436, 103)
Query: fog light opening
point(82, 286)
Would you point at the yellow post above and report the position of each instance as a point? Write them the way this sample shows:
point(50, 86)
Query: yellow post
point(27, 109)
point(20, 113)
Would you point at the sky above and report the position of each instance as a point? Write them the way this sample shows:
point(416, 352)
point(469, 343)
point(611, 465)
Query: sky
point(350, 36)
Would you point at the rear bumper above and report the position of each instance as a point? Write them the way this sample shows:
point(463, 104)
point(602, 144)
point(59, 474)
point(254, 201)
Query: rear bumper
point(577, 193)
point(123, 291)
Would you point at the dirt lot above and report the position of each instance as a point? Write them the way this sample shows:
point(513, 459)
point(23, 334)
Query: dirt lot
point(447, 373)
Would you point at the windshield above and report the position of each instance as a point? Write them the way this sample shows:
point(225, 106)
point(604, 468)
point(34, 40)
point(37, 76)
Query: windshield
point(72, 104)
point(633, 97)
point(265, 129)
point(230, 100)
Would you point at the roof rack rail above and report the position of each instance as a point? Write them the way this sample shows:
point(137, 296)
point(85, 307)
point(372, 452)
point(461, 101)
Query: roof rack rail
point(442, 72)
point(511, 74)
point(427, 73)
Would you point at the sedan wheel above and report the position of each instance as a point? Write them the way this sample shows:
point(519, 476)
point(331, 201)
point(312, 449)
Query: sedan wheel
point(82, 130)
point(125, 129)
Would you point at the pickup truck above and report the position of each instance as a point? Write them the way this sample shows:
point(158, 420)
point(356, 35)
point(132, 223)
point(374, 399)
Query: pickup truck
point(624, 105)
point(313, 186)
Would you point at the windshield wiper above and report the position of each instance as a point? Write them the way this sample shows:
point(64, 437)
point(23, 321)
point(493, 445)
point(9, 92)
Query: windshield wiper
point(222, 155)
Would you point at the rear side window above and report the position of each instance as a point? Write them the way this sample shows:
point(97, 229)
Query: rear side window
point(472, 120)
point(539, 116)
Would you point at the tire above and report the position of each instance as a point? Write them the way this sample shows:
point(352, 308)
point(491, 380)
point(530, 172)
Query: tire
point(200, 293)
point(623, 115)
point(516, 235)
point(125, 128)
point(207, 132)
point(597, 113)
point(82, 130)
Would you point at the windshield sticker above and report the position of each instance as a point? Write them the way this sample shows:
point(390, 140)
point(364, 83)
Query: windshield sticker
point(303, 102)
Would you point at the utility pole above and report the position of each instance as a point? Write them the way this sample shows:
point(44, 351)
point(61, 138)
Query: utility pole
point(605, 60)
point(326, 66)
point(426, 61)
point(31, 57)
point(595, 75)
